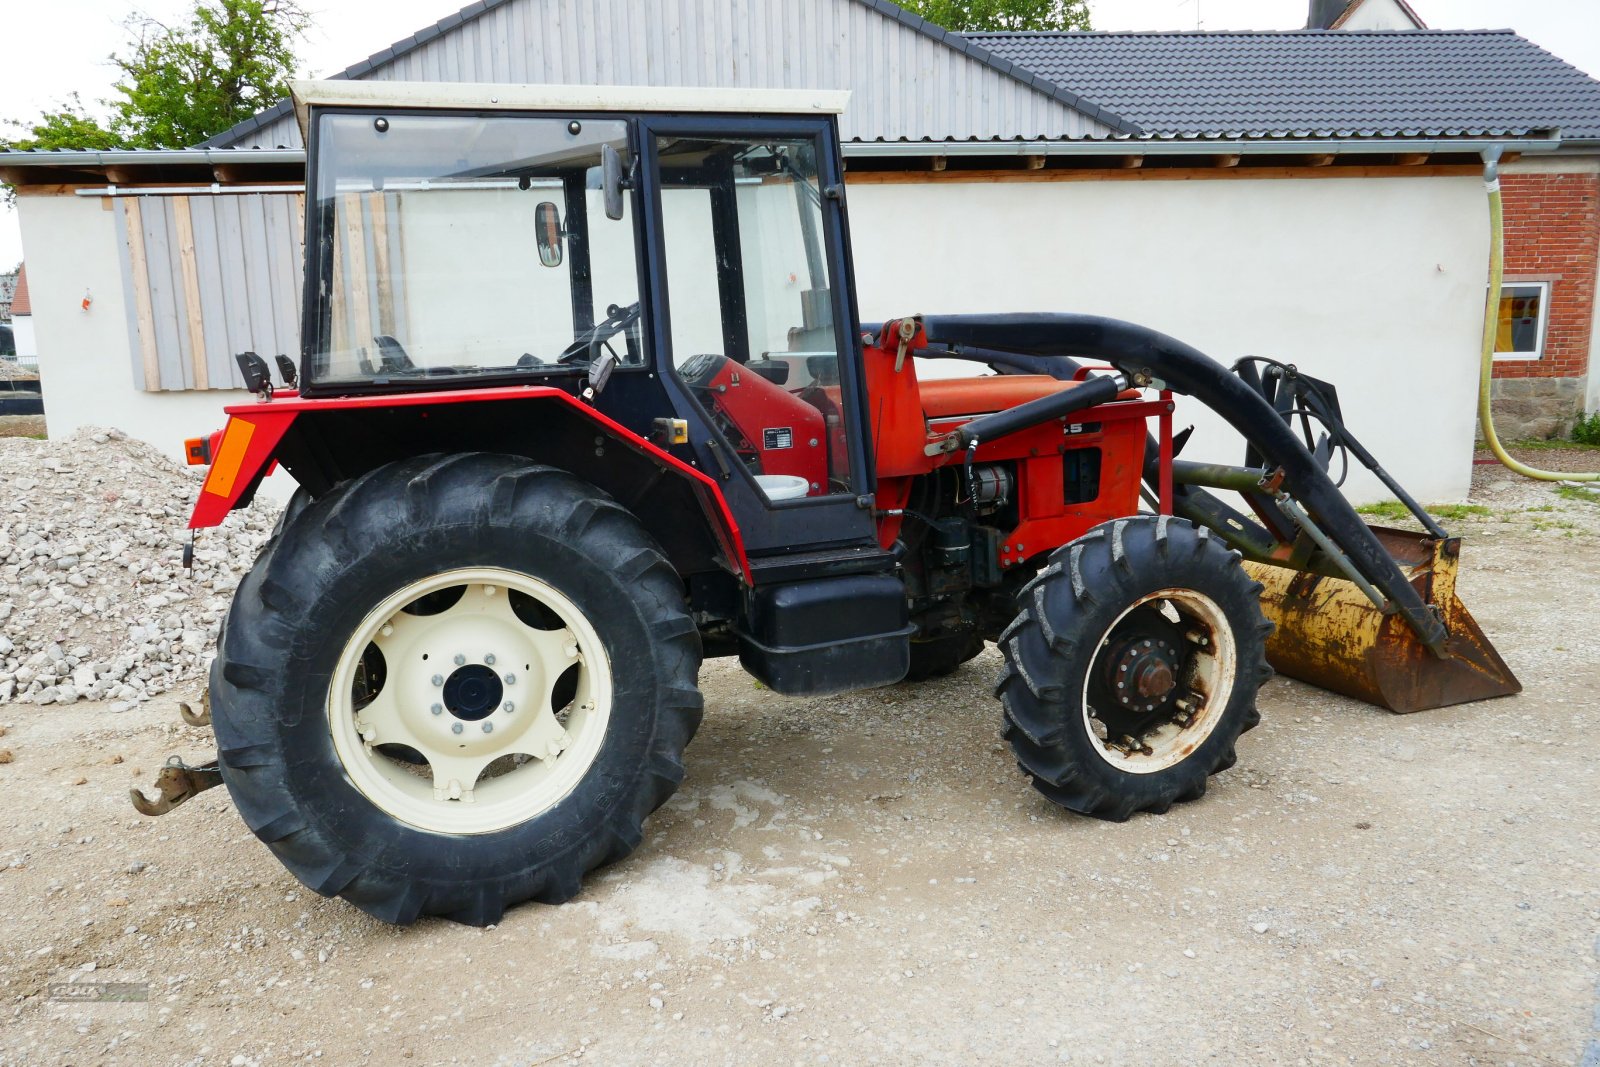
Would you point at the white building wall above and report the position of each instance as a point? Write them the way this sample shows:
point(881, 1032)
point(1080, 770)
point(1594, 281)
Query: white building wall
point(22, 333)
point(86, 369)
point(1375, 284)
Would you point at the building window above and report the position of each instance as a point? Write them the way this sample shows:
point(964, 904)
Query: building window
point(1524, 311)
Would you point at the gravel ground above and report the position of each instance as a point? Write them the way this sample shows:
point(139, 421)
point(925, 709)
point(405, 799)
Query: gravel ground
point(867, 879)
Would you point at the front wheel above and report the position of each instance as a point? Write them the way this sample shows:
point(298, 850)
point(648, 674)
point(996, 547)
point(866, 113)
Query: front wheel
point(455, 684)
point(1132, 667)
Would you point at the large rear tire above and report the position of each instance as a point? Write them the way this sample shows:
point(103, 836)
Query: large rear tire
point(455, 684)
point(1132, 667)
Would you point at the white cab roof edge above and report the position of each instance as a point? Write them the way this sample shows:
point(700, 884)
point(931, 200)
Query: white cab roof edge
point(563, 98)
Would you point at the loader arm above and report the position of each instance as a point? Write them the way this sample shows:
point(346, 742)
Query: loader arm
point(1138, 351)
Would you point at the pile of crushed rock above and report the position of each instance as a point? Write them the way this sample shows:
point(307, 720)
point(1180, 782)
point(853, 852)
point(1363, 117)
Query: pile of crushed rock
point(94, 601)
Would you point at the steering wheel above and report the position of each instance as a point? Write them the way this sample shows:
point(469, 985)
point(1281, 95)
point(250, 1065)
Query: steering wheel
point(617, 320)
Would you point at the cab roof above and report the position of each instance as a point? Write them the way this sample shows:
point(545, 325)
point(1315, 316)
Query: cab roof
point(481, 96)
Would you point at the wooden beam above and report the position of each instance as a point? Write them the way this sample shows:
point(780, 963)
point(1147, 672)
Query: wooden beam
point(1035, 162)
point(1325, 160)
point(184, 219)
point(1131, 162)
point(1225, 161)
point(939, 162)
point(1410, 159)
point(144, 312)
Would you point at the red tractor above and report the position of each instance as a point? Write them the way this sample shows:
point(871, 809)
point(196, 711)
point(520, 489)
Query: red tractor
point(584, 398)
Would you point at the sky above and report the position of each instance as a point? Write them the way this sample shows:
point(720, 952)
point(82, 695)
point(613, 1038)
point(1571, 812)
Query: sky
point(53, 49)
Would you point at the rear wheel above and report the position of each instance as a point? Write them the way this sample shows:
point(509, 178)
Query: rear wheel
point(1132, 667)
point(455, 684)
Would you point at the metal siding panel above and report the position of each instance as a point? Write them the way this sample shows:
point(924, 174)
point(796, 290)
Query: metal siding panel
point(283, 249)
point(231, 255)
point(258, 275)
point(166, 300)
point(213, 297)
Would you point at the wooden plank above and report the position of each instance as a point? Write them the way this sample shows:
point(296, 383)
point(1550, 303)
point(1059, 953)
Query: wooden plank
point(1158, 174)
point(1132, 162)
point(1225, 161)
point(144, 313)
point(378, 205)
point(1325, 160)
point(1034, 162)
point(300, 258)
point(1410, 159)
point(356, 294)
point(193, 307)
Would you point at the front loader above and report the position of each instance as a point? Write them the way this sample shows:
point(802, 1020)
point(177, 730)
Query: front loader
point(584, 398)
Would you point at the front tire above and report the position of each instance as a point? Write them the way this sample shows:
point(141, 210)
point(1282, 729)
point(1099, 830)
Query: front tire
point(1132, 667)
point(455, 684)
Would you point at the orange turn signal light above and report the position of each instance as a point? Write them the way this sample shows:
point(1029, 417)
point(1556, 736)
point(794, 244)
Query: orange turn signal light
point(197, 451)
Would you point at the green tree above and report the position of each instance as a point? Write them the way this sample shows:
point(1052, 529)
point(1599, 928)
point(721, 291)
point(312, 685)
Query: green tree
point(975, 15)
point(183, 83)
point(180, 84)
point(68, 126)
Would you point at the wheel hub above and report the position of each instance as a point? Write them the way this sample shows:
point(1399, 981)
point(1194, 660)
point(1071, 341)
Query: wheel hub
point(472, 692)
point(1142, 672)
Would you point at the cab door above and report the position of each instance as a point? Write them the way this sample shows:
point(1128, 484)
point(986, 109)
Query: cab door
point(748, 251)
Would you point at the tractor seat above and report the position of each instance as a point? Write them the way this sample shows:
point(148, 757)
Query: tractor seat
point(953, 397)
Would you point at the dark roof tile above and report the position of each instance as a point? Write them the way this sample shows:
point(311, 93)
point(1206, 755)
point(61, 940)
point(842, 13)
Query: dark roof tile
point(1318, 83)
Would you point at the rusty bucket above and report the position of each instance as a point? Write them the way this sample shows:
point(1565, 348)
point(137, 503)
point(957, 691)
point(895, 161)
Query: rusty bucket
point(1329, 634)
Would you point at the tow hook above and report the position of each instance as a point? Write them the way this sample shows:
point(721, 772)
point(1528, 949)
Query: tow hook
point(197, 718)
point(177, 782)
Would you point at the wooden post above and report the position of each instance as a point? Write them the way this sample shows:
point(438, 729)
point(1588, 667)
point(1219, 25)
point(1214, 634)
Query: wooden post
point(193, 319)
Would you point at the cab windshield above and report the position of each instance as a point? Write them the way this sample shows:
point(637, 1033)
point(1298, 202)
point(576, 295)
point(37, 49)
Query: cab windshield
point(476, 246)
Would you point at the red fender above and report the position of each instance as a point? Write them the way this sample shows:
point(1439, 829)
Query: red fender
point(249, 442)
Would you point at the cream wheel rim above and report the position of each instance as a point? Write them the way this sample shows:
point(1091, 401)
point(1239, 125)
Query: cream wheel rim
point(1185, 655)
point(470, 701)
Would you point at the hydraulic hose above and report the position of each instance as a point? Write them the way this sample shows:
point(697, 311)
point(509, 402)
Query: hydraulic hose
point(1491, 324)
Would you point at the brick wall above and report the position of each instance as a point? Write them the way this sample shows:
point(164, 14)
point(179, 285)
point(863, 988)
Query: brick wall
point(1553, 234)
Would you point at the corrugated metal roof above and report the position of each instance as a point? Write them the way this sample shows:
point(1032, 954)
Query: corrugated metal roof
point(1433, 83)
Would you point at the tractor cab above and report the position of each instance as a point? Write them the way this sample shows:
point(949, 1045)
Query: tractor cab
point(684, 270)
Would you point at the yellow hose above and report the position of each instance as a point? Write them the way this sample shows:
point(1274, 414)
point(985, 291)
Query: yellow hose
point(1491, 323)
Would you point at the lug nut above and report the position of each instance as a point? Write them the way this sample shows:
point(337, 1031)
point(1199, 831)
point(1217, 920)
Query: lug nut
point(508, 707)
point(488, 727)
point(437, 709)
point(460, 659)
point(438, 679)
point(489, 660)
point(511, 679)
point(456, 728)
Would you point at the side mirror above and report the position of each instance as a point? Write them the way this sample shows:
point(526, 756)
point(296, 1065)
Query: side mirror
point(612, 181)
point(547, 226)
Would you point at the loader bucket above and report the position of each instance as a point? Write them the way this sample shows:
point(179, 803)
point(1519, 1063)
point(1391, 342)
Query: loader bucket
point(1328, 633)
